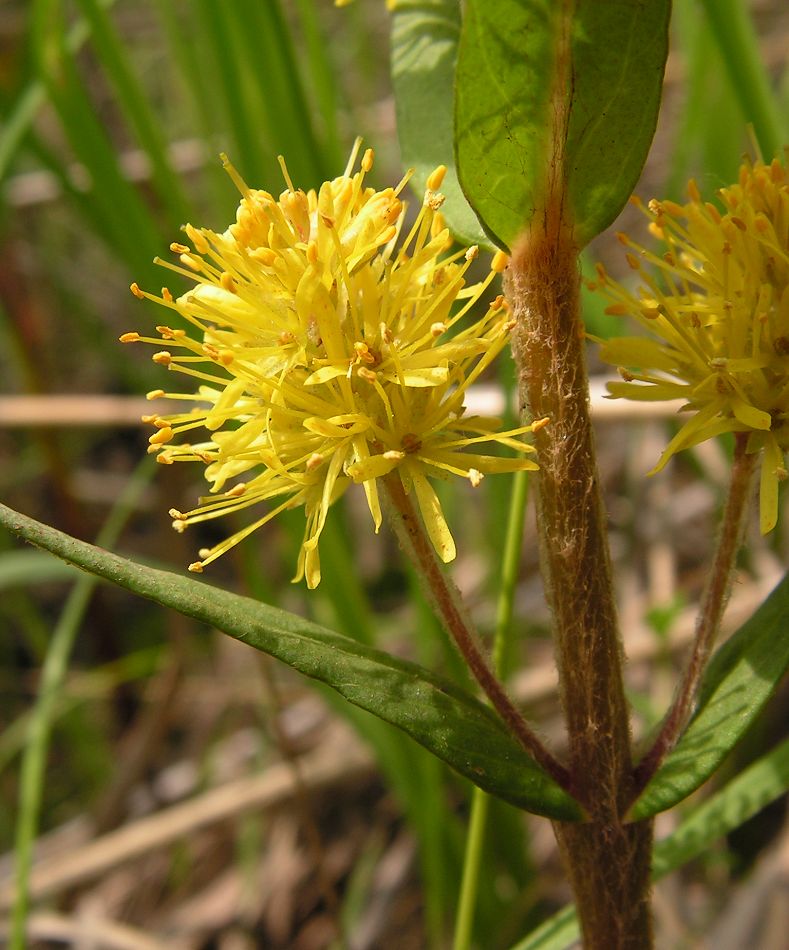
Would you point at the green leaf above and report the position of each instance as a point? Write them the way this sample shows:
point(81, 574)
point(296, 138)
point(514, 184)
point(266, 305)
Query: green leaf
point(446, 720)
point(32, 567)
point(425, 36)
point(741, 677)
point(743, 797)
point(731, 24)
point(554, 94)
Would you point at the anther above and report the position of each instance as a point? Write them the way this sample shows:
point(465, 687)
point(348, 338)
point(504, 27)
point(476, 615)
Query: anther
point(196, 567)
point(162, 437)
point(132, 337)
point(135, 289)
point(499, 262)
point(163, 358)
point(436, 177)
point(264, 256)
point(155, 394)
point(472, 253)
point(200, 243)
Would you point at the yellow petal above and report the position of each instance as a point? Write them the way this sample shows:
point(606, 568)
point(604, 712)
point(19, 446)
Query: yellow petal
point(324, 374)
point(433, 516)
point(426, 377)
point(750, 416)
point(772, 461)
point(374, 466)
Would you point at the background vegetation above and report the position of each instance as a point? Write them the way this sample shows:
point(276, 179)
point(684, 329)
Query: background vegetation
point(276, 820)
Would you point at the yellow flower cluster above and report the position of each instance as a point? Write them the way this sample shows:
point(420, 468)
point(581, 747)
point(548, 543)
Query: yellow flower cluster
point(329, 349)
point(716, 307)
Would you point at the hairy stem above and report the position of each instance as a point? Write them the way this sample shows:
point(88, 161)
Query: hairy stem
point(716, 596)
point(607, 860)
point(412, 535)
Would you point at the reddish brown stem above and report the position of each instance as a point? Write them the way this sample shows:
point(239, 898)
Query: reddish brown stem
point(607, 860)
point(446, 598)
point(708, 624)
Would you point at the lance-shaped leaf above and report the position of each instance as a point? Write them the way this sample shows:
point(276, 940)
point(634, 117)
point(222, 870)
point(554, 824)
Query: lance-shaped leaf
point(425, 36)
point(741, 677)
point(441, 716)
point(556, 98)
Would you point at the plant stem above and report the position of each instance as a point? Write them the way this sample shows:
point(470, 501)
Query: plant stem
point(607, 860)
point(713, 605)
point(413, 537)
point(480, 800)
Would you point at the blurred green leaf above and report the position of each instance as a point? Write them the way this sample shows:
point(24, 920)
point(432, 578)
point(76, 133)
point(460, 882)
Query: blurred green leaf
point(17, 124)
point(115, 203)
point(731, 25)
point(19, 568)
point(451, 723)
point(425, 37)
point(133, 101)
point(519, 67)
point(741, 677)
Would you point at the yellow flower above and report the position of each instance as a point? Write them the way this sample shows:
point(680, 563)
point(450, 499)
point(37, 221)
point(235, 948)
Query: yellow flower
point(329, 349)
point(717, 315)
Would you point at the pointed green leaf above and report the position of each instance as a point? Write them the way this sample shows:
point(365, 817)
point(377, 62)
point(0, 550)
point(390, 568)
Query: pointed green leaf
point(520, 66)
point(442, 717)
point(741, 677)
point(425, 37)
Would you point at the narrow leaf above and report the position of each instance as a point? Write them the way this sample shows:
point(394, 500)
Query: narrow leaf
point(761, 783)
point(556, 98)
point(741, 677)
point(442, 717)
point(425, 36)
point(31, 568)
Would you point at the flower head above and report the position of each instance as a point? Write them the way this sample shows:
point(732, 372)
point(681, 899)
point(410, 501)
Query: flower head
point(715, 306)
point(329, 348)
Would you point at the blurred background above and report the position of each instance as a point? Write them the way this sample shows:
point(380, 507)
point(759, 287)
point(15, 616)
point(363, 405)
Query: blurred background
point(195, 794)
